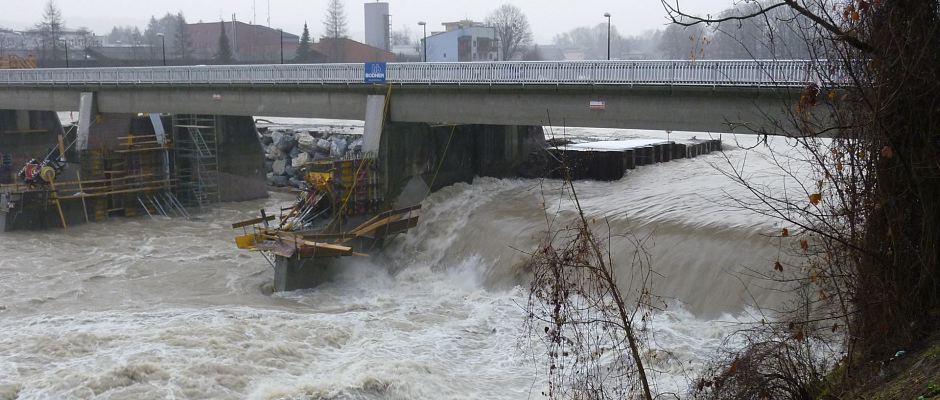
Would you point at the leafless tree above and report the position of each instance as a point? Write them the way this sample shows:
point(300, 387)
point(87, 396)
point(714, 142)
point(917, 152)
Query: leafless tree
point(403, 37)
point(50, 30)
point(586, 316)
point(864, 218)
point(335, 22)
point(512, 29)
point(593, 41)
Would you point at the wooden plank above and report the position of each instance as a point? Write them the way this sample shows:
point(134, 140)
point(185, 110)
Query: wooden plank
point(141, 150)
point(367, 230)
point(397, 227)
point(386, 214)
point(164, 186)
point(251, 222)
point(136, 137)
point(326, 237)
point(135, 143)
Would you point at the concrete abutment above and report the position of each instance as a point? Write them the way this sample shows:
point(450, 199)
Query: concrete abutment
point(419, 158)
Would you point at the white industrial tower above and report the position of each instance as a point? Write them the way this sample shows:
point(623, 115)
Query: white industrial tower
point(378, 25)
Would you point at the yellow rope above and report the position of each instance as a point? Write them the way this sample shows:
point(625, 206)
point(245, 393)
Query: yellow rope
point(441, 162)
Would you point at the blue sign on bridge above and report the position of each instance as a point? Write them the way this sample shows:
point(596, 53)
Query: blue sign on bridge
point(375, 72)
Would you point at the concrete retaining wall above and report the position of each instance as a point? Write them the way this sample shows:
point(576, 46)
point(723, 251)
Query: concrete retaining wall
point(241, 160)
point(413, 157)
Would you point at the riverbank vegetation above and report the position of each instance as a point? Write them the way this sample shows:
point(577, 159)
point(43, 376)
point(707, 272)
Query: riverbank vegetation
point(866, 288)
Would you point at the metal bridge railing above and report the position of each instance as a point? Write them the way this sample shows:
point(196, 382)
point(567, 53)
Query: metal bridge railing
point(687, 73)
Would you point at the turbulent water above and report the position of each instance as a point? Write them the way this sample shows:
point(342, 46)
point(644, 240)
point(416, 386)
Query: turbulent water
point(137, 309)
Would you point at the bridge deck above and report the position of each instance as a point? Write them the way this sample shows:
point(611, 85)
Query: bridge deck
point(787, 73)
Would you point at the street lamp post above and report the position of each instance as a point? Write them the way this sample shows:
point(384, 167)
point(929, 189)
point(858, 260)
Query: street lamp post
point(425, 41)
point(282, 45)
point(608, 35)
point(66, 45)
point(163, 46)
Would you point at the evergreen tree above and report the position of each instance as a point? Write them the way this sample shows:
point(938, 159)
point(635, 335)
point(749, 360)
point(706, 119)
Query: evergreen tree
point(168, 25)
point(304, 52)
point(183, 43)
point(224, 56)
point(151, 38)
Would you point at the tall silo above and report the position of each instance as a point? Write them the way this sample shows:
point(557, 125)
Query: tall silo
point(378, 25)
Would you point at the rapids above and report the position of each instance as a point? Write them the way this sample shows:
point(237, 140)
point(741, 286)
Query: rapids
point(141, 309)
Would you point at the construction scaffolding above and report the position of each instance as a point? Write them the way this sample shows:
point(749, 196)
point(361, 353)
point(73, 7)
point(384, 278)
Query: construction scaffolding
point(196, 155)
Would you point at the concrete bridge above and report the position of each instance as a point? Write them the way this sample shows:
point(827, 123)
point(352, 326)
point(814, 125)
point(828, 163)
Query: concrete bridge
point(705, 96)
point(428, 124)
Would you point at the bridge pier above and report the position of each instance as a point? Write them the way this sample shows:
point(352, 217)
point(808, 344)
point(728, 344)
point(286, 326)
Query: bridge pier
point(295, 273)
point(241, 160)
point(418, 158)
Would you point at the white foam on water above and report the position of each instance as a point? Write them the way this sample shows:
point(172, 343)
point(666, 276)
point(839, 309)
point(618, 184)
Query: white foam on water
point(139, 309)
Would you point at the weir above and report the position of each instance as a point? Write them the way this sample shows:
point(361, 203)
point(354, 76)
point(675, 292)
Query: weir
point(119, 161)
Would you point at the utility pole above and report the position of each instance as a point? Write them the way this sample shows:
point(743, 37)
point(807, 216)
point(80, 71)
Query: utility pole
point(608, 35)
point(425, 41)
point(282, 45)
point(234, 38)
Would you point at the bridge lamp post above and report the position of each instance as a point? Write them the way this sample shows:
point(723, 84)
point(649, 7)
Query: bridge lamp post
point(607, 14)
point(66, 45)
point(282, 45)
point(425, 41)
point(163, 46)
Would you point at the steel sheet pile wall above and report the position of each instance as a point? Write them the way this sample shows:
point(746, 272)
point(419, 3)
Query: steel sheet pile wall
point(612, 164)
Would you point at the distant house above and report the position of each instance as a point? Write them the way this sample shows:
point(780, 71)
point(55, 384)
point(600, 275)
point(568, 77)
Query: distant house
point(345, 50)
point(250, 43)
point(463, 41)
point(34, 42)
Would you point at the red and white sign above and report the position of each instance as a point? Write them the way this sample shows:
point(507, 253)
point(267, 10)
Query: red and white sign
point(598, 105)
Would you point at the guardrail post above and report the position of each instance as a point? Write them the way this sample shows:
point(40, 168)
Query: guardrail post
point(672, 81)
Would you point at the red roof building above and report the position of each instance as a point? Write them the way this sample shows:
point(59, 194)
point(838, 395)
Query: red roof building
point(249, 43)
point(345, 50)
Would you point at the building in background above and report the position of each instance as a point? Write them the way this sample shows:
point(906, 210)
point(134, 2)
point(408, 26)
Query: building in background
point(378, 26)
point(33, 42)
point(463, 41)
point(250, 43)
point(344, 50)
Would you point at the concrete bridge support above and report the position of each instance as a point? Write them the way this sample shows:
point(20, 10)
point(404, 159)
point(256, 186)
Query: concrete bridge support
point(418, 158)
point(241, 160)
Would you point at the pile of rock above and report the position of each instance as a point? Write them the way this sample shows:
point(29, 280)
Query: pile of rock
point(287, 150)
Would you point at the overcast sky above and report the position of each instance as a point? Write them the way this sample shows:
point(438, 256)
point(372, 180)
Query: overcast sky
point(547, 17)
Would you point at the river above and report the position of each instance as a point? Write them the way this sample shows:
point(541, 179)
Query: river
point(141, 309)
